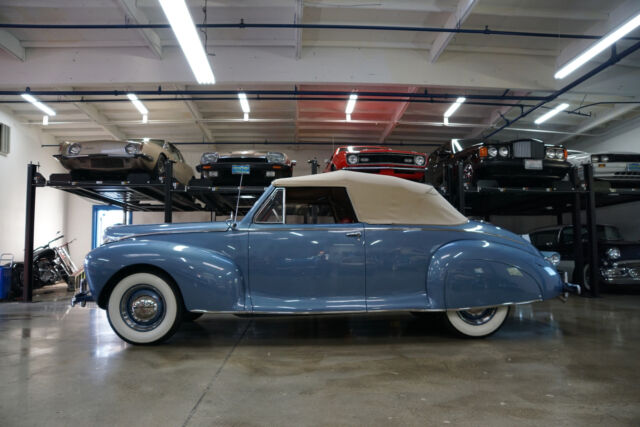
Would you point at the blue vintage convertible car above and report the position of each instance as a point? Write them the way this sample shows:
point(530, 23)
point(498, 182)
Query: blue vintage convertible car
point(338, 242)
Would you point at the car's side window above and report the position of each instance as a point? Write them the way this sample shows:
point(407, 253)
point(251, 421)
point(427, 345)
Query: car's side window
point(544, 238)
point(272, 211)
point(566, 237)
point(319, 205)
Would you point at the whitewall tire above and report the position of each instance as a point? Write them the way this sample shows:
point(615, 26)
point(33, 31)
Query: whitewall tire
point(477, 323)
point(143, 308)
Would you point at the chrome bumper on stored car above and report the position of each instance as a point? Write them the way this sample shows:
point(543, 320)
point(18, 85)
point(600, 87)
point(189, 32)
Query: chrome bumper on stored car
point(622, 273)
point(83, 294)
point(103, 161)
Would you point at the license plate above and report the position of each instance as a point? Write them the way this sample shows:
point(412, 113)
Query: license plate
point(240, 169)
point(633, 167)
point(533, 164)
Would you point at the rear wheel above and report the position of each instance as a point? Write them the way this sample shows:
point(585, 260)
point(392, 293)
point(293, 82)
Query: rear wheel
point(477, 323)
point(144, 308)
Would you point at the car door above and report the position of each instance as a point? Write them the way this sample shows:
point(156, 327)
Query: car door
point(306, 253)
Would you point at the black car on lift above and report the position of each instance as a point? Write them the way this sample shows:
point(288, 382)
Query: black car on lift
point(518, 163)
point(619, 260)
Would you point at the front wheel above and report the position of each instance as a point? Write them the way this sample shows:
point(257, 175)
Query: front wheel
point(477, 323)
point(144, 308)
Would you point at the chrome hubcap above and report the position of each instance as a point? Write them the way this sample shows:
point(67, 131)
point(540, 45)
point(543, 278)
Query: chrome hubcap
point(142, 307)
point(478, 316)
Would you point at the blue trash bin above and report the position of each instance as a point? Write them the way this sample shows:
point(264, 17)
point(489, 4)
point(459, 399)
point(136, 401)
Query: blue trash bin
point(6, 264)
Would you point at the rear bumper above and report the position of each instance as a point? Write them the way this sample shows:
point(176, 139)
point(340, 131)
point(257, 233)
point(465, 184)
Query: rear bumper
point(105, 162)
point(261, 174)
point(405, 172)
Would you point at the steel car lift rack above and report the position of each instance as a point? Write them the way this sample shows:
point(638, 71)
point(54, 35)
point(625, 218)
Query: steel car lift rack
point(573, 198)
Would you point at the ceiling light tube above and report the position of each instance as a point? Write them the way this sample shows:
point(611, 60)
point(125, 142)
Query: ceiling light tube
point(598, 47)
point(181, 23)
point(351, 104)
point(454, 107)
point(48, 111)
point(145, 118)
point(243, 102)
point(246, 117)
point(45, 120)
point(348, 117)
point(546, 116)
point(136, 102)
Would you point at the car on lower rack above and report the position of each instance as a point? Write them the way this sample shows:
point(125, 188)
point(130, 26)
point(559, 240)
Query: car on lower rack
point(617, 169)
point(257, 168)
point(109, 159)
point(516, 163)
point(329, 243)
point(619, 259)
point(379, 160)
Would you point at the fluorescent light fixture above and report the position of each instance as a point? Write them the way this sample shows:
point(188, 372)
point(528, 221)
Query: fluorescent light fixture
point(246, 117)
point(243, 102)
point(597, 48)
point(546, 116)
point(181, 22)
point(145, 118)
point(454, 107)
point(351, 104)
point(455, 145)
point(145, 139)
point(136, 102)
point(45, 120)
point(348, 117)
point(48, 111)
point(446, 121)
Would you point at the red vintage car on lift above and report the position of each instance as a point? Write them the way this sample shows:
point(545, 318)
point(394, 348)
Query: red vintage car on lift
point(381, 160)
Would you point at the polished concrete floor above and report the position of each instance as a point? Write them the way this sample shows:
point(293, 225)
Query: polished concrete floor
point(552, 364)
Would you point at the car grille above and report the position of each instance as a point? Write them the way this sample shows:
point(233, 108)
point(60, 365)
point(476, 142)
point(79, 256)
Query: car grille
point(528, 150)
point(107, 163)
point(627, 174)
point(622, 157)
point(405, 159)
point(242, 160)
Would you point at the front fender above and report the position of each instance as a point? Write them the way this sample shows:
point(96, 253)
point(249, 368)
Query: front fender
point(207, 279)
point(477, 273)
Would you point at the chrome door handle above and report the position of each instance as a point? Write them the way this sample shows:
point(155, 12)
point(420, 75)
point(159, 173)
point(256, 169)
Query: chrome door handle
point(354, 234)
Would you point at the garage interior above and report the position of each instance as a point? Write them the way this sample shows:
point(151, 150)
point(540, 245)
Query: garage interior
point(299, 62)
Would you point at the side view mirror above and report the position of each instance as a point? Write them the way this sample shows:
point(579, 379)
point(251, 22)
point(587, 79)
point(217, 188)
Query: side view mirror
point(293, 162)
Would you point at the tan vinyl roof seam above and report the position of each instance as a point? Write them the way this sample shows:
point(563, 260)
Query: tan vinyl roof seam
point(380, 199)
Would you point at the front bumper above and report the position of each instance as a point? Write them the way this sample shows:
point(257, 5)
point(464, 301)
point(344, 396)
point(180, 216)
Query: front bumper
point(260, 174)
point(83, 294)
point(106, 162)
point(405, 172)
point(514, 170)
point(621, 273)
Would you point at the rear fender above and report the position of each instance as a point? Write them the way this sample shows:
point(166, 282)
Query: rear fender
point(476, 273)
point(207, 280)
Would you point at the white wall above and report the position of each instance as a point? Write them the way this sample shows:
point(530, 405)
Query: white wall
point(50, 203)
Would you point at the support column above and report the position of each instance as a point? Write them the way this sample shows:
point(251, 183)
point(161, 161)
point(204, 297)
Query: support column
point(576, 220)
point(27, 290)
point(168, 186)
point(460, 188)
point(592, 257)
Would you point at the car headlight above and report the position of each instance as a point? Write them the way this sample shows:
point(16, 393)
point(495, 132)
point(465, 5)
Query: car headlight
point(604, 158)
point(74, 149)
point(559, 154)
point(132, 148)
point(419, 160)
point(595, 159)
point(352, 159)
point(492, 151)
point(613, 253)
point(550, 153)
point(553, 259)
point(273, 157)
point(209, 158)
point(503, 151)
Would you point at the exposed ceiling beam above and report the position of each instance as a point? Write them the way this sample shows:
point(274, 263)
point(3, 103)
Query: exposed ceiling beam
point(387, 5)
point(599, 120)
point(580, 14)
point(138, 17)
point(100, 119)
point(197, 116)
point(397, 115)
point(455, 20)
point(10, 44)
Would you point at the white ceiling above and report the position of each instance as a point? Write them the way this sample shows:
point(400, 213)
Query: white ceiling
point(314, 59)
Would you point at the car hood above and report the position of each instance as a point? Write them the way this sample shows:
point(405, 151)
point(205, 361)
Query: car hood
point(120, 232)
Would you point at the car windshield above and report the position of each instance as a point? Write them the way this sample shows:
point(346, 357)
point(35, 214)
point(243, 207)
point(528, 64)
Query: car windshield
point(606, 232)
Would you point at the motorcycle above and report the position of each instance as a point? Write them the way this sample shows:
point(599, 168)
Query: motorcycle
point(51, 264)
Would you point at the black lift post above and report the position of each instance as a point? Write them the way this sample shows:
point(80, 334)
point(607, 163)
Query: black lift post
point(592, 257)
point(576, 220)
point(460, 188)
point(314, 165)
point(168, 185)
point(27, 289)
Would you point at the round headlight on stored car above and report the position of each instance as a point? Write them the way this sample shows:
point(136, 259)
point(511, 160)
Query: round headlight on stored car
point(503, 151)
point(419, 160)
point(74, 149)
point(613, 253)
point(595, 159)
point(550, 153)
point(554, 259)
point(209, 158)
point(352, 159)
point(492, 151)
point(132, 148)
point(273, 157)
point(559, 154)
point(604, 158)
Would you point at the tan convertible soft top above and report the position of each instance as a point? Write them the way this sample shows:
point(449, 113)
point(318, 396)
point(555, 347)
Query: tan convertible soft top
point(379, 199)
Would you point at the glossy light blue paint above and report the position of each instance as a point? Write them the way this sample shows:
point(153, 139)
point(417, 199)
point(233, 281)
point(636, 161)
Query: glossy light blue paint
point(285, 268)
